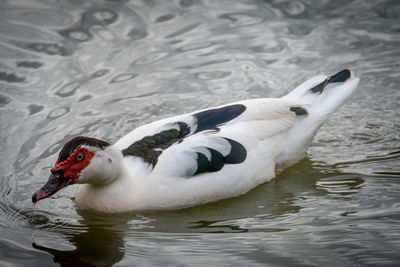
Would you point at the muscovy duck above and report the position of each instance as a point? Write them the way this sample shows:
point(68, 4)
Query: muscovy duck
point(200, 157)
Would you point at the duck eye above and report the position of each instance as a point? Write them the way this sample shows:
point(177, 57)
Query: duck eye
point(79, 157)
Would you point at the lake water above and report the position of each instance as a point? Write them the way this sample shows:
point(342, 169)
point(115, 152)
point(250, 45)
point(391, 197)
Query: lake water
point(102, 68)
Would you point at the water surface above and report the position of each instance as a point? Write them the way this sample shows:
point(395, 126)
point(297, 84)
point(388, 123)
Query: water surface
point(102, 68)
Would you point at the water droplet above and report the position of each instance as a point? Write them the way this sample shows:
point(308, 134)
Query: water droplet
point(33, 214)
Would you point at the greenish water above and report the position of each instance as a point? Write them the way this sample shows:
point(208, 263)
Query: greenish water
point(102, 68)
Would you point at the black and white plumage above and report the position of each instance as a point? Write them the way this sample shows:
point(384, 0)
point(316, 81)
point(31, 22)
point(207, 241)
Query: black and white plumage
point(209, 155)
point(202, 156)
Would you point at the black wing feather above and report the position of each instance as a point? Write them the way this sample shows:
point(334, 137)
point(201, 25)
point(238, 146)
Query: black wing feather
point(217, 161)
point(212, 118)
point(149, 148)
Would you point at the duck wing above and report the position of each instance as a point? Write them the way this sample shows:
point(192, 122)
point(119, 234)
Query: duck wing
point(206, 141)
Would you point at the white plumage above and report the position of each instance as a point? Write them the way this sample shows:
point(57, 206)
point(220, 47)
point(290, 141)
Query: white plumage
point(205, 155)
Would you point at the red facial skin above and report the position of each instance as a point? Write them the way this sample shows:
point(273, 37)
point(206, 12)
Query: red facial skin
point(71, 167)
point(64, 173)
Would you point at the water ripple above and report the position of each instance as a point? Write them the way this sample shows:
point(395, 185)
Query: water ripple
point(137, 33)
point(4, 100)
point(212, 75)
point(11, 77)
point(29, 64)
point(50, 49)
point(239, 19)
point(203, 64)
point(182, 31)
point(68, 89)
point(63, 62)
point(33, 109)
point(80, 32)
point(150, 58)
point(99, 73)
point(58, 112)
point(164, 18)
point(341, 186)
point(124, 77)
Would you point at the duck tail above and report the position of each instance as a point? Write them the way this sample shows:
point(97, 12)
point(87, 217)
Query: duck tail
point(313, 101)
point(321, 96)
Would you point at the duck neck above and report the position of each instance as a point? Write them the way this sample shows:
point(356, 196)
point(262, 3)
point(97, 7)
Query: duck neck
point(106, 183)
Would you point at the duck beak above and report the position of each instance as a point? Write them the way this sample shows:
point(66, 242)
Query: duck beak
point(56, 182)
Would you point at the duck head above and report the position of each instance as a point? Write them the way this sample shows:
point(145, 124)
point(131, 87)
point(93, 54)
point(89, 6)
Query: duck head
point(82, 160)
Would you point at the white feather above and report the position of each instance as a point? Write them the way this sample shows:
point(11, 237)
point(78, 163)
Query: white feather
point(271, 133)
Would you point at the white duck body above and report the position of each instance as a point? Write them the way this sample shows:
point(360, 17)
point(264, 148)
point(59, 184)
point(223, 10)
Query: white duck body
point(244, 143)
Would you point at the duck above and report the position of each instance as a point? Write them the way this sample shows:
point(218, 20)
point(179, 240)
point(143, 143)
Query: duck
point(199, 157)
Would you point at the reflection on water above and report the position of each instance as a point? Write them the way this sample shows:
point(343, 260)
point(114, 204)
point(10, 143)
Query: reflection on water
point(104, 238)
point(100, 240)
point(102, 68)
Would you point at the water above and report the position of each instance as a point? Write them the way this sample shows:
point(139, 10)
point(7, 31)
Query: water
point(102, 68)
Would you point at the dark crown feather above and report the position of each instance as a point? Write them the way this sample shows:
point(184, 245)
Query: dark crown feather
point(78, 141)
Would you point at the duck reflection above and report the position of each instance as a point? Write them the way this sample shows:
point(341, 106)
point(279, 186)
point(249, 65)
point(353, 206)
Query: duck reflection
point(101, 244)
point(262, 209)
